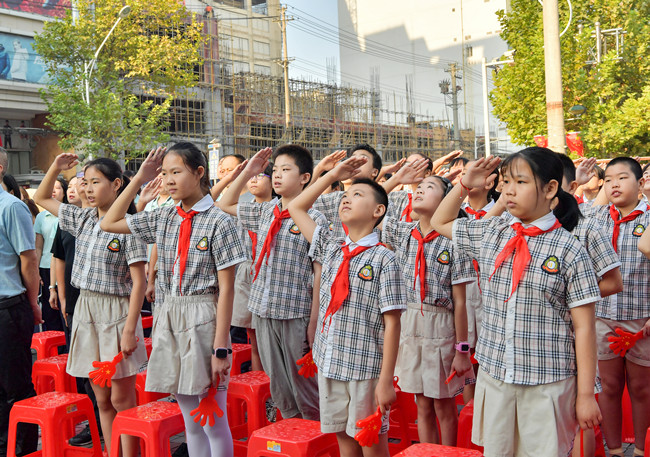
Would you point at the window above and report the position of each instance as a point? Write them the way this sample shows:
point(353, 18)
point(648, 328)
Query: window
point(262, 48)
point(261, 24)
point(241, 67)
point(240, 43)
point(263, 70)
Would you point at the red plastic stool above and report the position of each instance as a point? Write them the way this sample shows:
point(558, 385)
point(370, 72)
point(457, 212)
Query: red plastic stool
point(402, 429)
point(47, 343)
point(436, 450)
point(293, 438)
point(148, 344)
point(646, 449)
point(241, 353)
point(57, 413)
point(465, 420)
point(147, 321)
point(52, 368)
point(154, 422)
point(627, 433)
point(143, 396)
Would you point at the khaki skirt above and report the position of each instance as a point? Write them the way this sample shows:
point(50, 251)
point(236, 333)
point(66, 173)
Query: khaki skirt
point(97, 327)
point(241, 316)
point(426, 352)
point(183, 334)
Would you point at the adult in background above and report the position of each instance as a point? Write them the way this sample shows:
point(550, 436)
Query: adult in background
point(19, 312)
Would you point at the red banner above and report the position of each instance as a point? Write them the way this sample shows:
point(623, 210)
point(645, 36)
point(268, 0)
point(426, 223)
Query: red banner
point(541, 141)
point(573, 142)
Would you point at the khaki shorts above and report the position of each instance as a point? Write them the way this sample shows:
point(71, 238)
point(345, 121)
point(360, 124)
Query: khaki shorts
point(474, 305)
point(524, 421)
point(639, 353)
point(241, 316)
point(343, 403)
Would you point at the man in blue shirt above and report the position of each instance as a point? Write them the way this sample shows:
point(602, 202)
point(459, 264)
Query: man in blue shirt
point(19, 312)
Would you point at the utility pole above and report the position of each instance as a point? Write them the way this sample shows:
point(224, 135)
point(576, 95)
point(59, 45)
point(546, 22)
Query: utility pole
point(452, 89)
point(285, 65)
point(553, 72)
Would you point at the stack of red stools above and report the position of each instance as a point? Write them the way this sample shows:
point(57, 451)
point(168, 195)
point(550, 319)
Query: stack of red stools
point(465, 420)
point(143, 396)
point(293, 438)
point(50, 374)
point(241, 353)
point(47, 343)
point(437, 450)
point(402, 429)
point(57, 413)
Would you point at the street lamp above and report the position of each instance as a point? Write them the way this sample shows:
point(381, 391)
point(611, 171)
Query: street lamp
point(486, 109)
point(88, 67)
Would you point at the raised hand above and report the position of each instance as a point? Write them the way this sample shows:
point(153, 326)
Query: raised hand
point(349, 168)
point(151, 190)
point(66, 161)
point(370, 428)
point(477, 172)
point(328, 162)
point(585, 171)
point(258, 163)
point(207, 408)
point(150, 168)
point(393, 167)
point(624, 341)
point(308, 368)
point(411, 172)
point(232, 175)
point(105, 371)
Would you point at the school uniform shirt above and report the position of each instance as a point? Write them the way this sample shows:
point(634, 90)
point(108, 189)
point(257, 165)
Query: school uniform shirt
point(634, 301)
point(444, 266)
point(214, 245)
point(598, 245)
point(102, 259)
point(527, 338)
point(328, 204)
point(486, 208)
point(350, 348)
point(46, 224)
point(397, 201)
point(283, 288)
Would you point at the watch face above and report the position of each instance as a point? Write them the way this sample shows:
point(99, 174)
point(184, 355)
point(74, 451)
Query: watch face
point(464, 347)
point(221, 353)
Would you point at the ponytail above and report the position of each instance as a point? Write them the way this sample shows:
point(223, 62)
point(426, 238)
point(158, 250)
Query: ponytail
point(125, 182)
point(567, 210)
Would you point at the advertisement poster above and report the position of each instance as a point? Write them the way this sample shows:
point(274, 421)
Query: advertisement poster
point(52, 8)
point(19, 61)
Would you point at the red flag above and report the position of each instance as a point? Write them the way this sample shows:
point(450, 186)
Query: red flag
point(541, 141)
point(574, 143)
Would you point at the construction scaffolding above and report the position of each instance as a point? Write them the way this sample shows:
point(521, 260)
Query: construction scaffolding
point(244, 112)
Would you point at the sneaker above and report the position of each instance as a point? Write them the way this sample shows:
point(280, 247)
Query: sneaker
point(82, 438)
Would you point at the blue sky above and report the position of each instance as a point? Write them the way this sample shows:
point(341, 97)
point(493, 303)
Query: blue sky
point(311, 52)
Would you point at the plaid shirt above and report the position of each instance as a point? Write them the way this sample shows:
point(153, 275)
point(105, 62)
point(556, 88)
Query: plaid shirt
point(598, 245)
point(444, 266)
point(328, 204)
point(634, 301)
point(283, 289)
point(351, 347)
point(397, 201)
point(102, 259)
point(214, 245)
point(528, 339)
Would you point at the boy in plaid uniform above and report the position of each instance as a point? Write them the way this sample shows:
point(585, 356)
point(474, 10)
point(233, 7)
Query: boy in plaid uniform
point(284, 276)
point(536, 349)
point(433, 343)
point(400, 203)
point(361, 299)
point(624, 220)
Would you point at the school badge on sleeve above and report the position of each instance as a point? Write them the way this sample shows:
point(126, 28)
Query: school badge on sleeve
point(444, 257)
point(114, 245)
point(638, 230)
point(366, 273)
point(551, 265)
point(294, 229)
point(202, 245)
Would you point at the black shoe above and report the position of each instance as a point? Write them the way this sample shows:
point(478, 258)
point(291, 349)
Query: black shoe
point(181, 451)
point(82, 438)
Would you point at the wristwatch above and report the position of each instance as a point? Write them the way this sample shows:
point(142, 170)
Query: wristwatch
point(51, 287)
point(462, 346)
point(221, 353)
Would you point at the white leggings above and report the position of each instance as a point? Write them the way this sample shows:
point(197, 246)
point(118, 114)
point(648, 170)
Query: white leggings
point(206, 441)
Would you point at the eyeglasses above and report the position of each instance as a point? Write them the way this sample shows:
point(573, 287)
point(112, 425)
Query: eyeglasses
point(261, 176)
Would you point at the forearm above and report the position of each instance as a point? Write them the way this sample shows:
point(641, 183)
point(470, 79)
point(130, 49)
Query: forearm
point(458, 293)
point(226, 280)
point(315, 300)
point(137, 296)
point(30, 276)
point(114, 221)
point(611, 283)
point(391, 183)
point(443, 219)
point(59, 266)
point(307, 197)
point(392, 329)
point(217, 189)
point(585, 346)
point(43, 194)
point(601, 198)
point(140, 205)
point(230, 198)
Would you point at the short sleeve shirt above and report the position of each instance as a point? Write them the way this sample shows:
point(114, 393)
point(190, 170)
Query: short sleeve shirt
point(45, 225)
point(598, 245)
point(634, 301)
point(444, 266)
point(16, 237)
point(328, 204)
point(397, 201)
point(527, 338)
point(283, 288)
point(214, 245)
point(102, 258)
point(351, 346)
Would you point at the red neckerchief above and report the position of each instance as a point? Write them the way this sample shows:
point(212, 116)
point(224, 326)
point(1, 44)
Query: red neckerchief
point(615, 214)
point(253, 237)
point(274, 228)
point(406, 214)
point(477, 214)
point(580, 199)
point(341, 284)
point(519, 248)
point(184, 241)
point(420, 262)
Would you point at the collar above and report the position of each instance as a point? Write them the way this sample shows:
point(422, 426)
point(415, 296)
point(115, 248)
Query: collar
point(486, 208)
point(369, 240)
point(642, 206)
point(202, 205)
point(543, 223)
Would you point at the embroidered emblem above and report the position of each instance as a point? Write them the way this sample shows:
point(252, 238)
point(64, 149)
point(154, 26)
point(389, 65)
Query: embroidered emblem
point(443, 257)
point(366, 273)
point(294, 229)
point(114, 245)
point(638, 230)
point(202, 245)
point(331, 226)
point(551, 265)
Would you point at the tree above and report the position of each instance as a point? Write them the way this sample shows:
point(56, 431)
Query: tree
point(615, 92)
point(152, 52)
